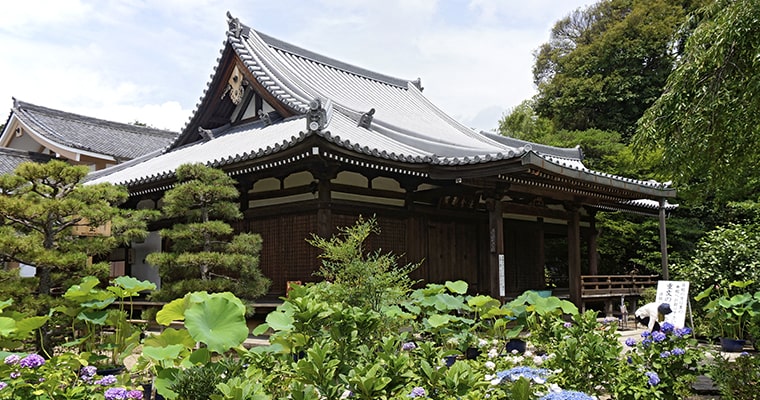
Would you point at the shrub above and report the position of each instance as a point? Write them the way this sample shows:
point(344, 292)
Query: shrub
point(737, 379)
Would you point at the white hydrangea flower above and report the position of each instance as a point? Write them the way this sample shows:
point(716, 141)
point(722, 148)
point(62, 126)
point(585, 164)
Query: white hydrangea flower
point(490, 365)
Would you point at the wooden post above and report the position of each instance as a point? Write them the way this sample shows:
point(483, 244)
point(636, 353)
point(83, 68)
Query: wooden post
point(663, 242)
point(574, 253)
point(497, 273)
point(593, 255)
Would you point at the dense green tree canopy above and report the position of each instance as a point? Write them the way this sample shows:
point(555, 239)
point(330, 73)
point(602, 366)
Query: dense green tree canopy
point(708, 119)
point(40, 205)
point(604, 65)
point(205, 254)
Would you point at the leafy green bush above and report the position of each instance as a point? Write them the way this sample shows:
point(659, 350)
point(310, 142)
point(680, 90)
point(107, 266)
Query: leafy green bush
point(724, 255)
point(738, 379)
point(364, 280)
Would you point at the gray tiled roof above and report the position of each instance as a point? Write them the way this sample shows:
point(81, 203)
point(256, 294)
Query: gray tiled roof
point(121, 141)
point(406, 126)
point(11, 158)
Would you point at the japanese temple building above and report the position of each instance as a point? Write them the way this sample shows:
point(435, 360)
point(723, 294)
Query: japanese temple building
point(314, 143)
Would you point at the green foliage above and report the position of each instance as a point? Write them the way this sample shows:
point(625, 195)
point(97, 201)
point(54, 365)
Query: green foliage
point(731, 310)
point(586, 352)
point(737, 379)
point(706, 120)
point(604, 65)
point(364, 280)
point(204, 254)
point(202, 382)
point(724, 255)
point(215, 325)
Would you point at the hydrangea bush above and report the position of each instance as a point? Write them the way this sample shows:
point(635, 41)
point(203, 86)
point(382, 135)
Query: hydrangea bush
point(660, 365)
point(64, 376)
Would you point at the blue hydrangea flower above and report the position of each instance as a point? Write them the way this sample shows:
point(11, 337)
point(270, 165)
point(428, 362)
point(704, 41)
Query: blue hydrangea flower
point(658, 336)
point(567, 324)
point(646, 342)
point(408, 346)
point(678, 351)
point(567, 395)
point(630, 342)
point(537, 375)
point(418, 392)
point(681, 332)
point(646, 334)
point(667, 327)
point(665, 354)
point(32, 361)
point(653, 378)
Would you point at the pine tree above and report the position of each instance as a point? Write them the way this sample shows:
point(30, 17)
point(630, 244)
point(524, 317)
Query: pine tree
point(204, 254)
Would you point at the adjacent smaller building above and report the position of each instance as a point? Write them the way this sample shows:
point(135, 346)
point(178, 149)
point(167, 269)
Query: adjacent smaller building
point(40, 133)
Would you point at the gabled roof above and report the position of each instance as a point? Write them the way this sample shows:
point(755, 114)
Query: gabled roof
point(327, 99)
point(76, 133)
point(11, 158)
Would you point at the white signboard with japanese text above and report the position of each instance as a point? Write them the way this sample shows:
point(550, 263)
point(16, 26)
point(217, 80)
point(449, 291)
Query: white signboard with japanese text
point(675, 293)
point(502, 278)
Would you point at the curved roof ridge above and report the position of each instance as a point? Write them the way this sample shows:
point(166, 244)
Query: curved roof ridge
point(571, 153)
point(264, 65)
point(344, 66)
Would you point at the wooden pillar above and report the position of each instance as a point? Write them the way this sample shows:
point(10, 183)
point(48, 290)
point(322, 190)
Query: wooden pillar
point(324, 212)
point(541, 247)
point(496, 265)
point(663, 242)
point(574, 253)
point(244, 185)
point(593, 250)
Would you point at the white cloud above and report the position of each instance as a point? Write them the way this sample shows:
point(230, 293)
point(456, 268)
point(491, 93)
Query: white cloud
point(150, 60)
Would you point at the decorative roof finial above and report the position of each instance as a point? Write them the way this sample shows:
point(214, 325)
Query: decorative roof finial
point(316, 117)
point(236, 28)
point(206, 134)
point(264, 117)
point(418, 82)
point(366, 120)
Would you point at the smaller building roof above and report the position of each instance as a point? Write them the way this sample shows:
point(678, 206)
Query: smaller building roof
point(11, 158)
point(80, 133)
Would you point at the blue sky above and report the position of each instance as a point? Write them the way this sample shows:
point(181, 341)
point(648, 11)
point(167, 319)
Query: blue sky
point(150, 60)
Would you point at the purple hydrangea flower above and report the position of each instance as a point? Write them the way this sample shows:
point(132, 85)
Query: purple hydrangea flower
point(654, 379)
point(665, 354)
point(116, 393)
point(418, 392)
point(3, 385)
point(630, 342)
point(667, 327)
point(567, 324)
point(15, 374)
point(12, 359)
point(646, 334)
point(678, 351)
point(32, 361)
point(658, 336)
point(646, 342)
point(106, 380)
point(134, 394)
point(408, 346)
